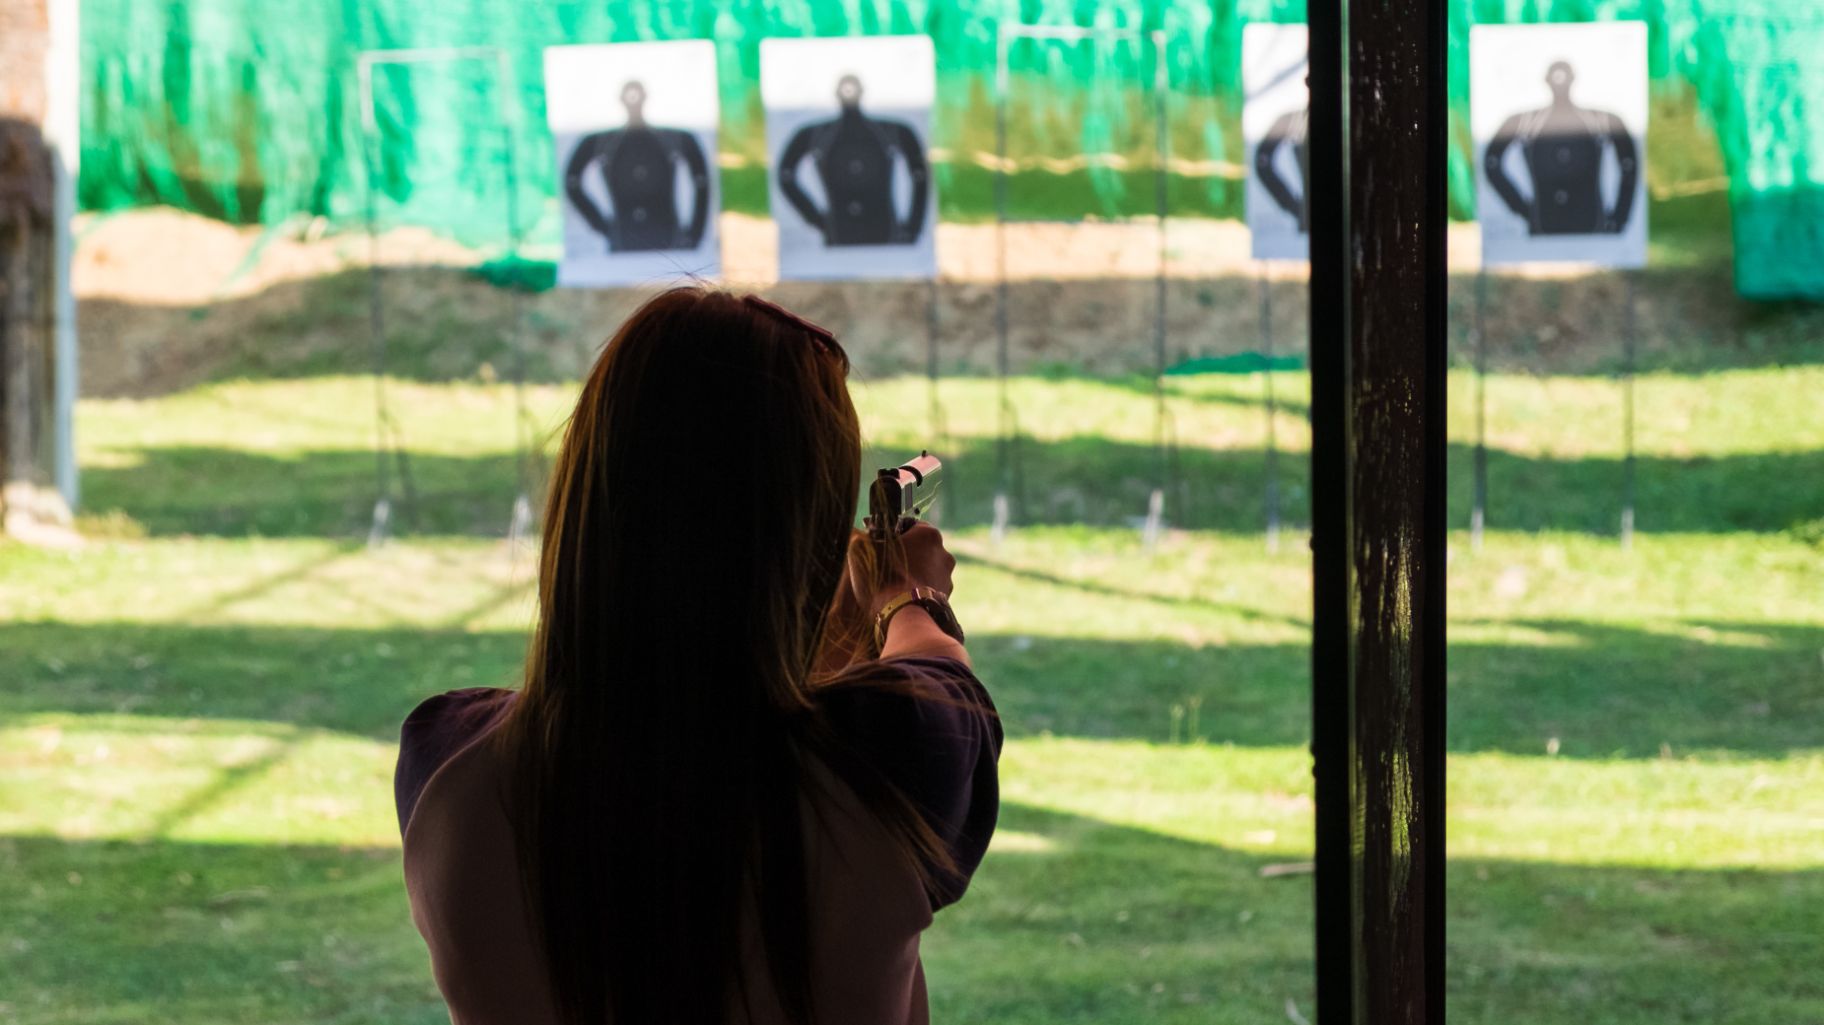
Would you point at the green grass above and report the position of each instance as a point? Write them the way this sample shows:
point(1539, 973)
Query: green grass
point(198, 719)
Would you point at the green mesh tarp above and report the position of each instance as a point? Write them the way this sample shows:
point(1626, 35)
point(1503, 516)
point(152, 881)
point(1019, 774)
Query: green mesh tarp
point(1757, 69)
point(1760, 66)
point(248, 110)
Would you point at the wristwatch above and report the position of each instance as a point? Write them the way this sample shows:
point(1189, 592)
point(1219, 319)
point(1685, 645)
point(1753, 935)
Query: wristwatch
point(933, 602)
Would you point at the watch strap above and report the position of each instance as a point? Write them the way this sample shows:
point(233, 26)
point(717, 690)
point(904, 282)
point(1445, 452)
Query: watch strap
point(933, 602)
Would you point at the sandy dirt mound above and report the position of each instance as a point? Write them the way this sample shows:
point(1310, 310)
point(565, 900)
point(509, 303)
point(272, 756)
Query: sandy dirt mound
point(168, 299)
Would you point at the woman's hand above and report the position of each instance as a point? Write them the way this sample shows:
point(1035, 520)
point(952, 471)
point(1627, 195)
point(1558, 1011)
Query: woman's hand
point(927, 564)
point(865, 589)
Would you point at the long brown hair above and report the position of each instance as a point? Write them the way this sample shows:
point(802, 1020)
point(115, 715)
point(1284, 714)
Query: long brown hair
point(695, 536)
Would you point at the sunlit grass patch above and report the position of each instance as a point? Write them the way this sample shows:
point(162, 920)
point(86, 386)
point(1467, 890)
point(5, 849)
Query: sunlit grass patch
point(145, 778)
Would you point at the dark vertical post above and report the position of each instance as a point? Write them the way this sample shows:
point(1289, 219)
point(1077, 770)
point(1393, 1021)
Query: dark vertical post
point(28, 285)
point(1378, 357)
point(37, 313)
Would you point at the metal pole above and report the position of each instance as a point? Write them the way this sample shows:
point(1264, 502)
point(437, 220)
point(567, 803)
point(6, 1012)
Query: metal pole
point(931, 330)
point(1627, 407)
point(1156, 504)
point(381, 526)
point(938, 432)
point(1272, 453)
point(387, 428)
point(1004, 442)
point(1478, 511)
point(1010, 485)
point(519, 521)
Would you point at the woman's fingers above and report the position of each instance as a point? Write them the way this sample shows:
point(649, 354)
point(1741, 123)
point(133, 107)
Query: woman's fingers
point(928, 562)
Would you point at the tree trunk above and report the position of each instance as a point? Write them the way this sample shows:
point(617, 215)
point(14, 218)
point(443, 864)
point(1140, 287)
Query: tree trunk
point(28, 274)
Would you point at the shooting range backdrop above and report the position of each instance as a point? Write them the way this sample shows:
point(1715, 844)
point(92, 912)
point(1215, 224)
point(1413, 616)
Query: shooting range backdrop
point(247, 111)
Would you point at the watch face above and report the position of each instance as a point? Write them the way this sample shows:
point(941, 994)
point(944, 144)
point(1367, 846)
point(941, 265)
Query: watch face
point(933, 602)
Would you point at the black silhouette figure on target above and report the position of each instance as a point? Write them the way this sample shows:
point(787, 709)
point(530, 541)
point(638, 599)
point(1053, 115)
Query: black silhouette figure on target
point(639, 167)
point(1562, 146)
point(1288, 129)
point(855, 155)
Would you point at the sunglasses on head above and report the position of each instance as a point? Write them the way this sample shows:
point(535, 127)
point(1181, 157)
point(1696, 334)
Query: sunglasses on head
point(824, 338)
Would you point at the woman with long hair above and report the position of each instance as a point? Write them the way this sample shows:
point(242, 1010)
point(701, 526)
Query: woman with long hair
point(749, 760)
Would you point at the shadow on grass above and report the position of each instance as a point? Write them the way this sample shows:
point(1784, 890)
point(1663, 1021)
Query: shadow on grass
point(1177, 602)
point(1070, 481)
point(1070, 920)
point(1075, 921)
point(1289, 399)
point(325, 493)
point(1610, 691)
point(1604, 691)
point(170, 931)
point(1760, 492)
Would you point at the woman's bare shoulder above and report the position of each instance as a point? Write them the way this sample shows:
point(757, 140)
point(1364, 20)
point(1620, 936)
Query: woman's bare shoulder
point(454, 828)
point(435, 731)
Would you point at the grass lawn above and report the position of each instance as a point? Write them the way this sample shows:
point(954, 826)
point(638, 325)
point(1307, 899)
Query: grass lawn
point(199, 709)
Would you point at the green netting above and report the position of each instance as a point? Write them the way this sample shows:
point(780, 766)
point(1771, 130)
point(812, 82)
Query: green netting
point(1757, 69)
point(248, 111)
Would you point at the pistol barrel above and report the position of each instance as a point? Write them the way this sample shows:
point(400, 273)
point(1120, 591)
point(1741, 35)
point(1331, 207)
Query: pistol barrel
point(893, 484)
point(913, 472)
